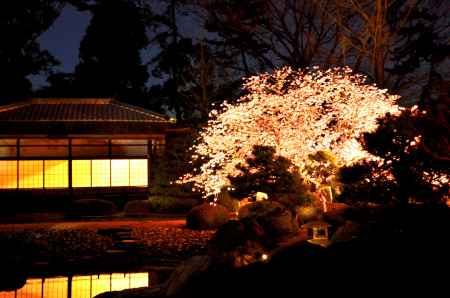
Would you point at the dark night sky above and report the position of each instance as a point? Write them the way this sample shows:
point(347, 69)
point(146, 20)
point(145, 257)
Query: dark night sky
point(62, 40)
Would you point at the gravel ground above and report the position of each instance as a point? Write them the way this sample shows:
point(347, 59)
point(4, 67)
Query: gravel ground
point(159, 239)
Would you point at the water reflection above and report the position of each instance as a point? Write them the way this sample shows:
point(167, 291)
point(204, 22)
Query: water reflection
point(83, 286)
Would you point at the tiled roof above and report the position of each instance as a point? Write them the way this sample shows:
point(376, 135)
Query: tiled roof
point(78, 110)
point(78, 116)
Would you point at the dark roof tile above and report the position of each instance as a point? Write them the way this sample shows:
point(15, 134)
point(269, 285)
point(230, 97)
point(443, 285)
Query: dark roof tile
point(78, 116)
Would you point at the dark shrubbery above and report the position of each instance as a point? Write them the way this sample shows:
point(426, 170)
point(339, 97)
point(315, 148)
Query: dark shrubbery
point(207, 216)
point(226, 200)
point(171, 204)
point(274, 175)
point(92, 207)
point(137, 208)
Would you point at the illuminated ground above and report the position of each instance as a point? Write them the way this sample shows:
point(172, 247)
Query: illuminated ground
point(157, 241)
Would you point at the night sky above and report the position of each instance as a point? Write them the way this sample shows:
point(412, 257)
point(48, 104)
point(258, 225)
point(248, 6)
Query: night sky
point(62, 40)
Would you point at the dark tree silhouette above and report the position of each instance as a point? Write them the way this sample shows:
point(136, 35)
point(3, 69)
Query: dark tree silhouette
point(415, 147)
point(266, 172)
point(21, 23)
point(110, 53)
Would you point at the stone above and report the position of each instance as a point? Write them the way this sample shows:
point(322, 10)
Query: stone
point(182, 275)
point(207, 216)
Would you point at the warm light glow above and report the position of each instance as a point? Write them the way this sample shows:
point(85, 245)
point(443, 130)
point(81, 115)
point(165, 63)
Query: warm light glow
point(120, 172)
point(81, 173)
point(138, 172)
point(296, 112)
point(31, 173)
point(86, 286)
point(85, 173)
point(8, 174)
point(264, 257)
point(101, 173)
point(56, 174)
point(55, 287)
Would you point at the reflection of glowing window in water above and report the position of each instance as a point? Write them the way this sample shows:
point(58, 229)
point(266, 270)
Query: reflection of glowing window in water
point(86, 286)
point(55, 287)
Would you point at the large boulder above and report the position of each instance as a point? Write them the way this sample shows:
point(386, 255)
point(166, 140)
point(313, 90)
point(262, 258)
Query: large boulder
point(349, 231)
point(207, 216)
point(260, 209)
point(276, 220)
point(239, 242)
point(308, 213)
point(179, 280)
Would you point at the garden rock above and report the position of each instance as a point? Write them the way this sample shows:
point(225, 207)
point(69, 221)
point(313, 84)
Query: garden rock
point(183, 274)
point(308, 213)
point(259, 209)
point(207, 216)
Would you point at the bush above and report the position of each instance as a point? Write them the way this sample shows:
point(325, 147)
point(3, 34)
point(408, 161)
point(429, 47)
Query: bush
point(226, 200)
point(295, 200)
point(207, 216)
point(92, 207)
point(137, 208)
point(171, 204)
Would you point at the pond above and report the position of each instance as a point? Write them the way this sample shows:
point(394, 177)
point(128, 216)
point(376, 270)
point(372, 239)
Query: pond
point(78, 286)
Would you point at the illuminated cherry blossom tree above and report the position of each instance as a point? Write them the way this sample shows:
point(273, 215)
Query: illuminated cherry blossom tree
point(298, 112)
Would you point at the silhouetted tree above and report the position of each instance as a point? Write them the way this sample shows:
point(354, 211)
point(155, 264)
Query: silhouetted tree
point(21, 23)
point(110, 53)
point(265, 172)
point(415, 148)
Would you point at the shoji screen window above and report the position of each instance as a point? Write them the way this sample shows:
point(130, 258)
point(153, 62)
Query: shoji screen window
point(31, 173)
point(120, 172)
point(101, 173)
point(8, 174)
point(138, 172)
point(81, 173)
point(56, 173)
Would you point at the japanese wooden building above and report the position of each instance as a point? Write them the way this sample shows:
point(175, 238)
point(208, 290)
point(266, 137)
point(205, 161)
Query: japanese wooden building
point(78, 144)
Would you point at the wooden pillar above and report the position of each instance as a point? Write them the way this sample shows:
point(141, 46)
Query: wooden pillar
point(70, 166)
point(149, 162)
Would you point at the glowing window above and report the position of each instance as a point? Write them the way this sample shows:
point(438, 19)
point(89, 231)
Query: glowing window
point(138, 172)
point(8, 174)
point(120, 172)
point(81, 173)
point(31, 173)
point(101, 172)
point(56, 173)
